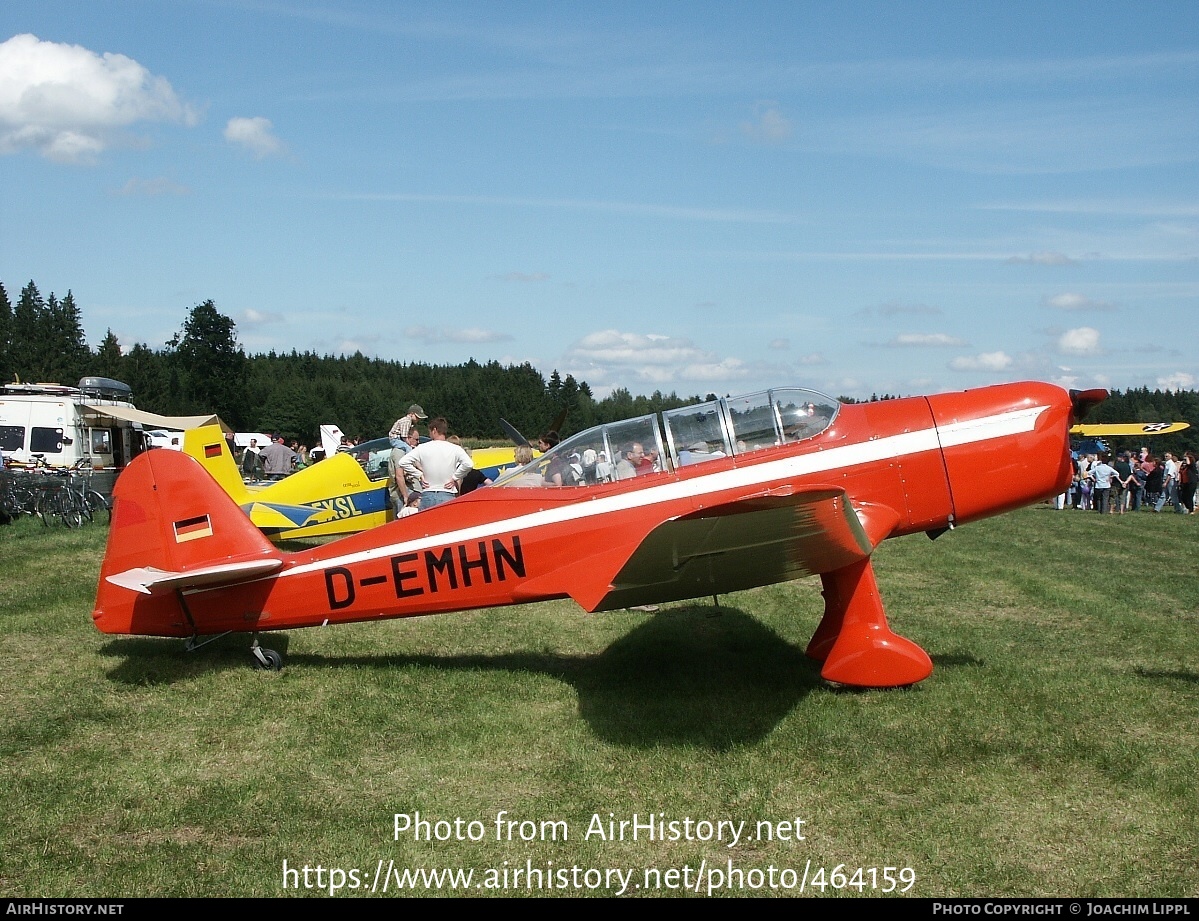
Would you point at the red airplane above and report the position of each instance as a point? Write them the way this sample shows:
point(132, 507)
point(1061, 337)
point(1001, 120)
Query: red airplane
point(703, 500)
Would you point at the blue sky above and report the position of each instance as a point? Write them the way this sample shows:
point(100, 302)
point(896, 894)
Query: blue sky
point(697, 197)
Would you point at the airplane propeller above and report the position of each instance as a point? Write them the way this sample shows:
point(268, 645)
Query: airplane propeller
point(511, 431)
point(1083, 401)
point(519, 440)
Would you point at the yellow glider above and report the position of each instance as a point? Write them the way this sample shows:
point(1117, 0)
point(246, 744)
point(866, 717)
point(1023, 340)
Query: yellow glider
point(334, 496)
point(1118, 429)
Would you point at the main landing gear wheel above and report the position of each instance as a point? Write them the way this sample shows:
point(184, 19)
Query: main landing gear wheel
point(267, 660)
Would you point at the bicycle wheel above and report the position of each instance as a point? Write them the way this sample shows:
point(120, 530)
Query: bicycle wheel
point(46, 505)
point(11, 503)
point(72, 515)
point(99, 507)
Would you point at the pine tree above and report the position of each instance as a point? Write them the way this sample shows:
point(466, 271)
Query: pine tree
point(65, 355)
point(108, 361)
point(210, 363)
point(6, 366)
point(145, 371)
point(26, 348)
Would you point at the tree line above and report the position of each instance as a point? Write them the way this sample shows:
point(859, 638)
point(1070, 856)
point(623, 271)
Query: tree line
point(203, 369)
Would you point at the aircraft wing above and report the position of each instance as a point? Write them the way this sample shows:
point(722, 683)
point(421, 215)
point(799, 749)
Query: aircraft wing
point(772, 537)
point(1118, 429)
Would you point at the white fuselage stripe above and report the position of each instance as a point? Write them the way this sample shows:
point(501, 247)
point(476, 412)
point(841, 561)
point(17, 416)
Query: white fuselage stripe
point(840, 458)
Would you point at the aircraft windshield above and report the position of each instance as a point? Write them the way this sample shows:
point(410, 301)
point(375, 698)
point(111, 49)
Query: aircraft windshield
point(727, 427)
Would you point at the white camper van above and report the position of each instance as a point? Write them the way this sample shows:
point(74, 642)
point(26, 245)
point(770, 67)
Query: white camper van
point(69, 424)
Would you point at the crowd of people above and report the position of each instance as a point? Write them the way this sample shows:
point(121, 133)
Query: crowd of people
point(423, 472)
point(274, 460)
point(1132, 481)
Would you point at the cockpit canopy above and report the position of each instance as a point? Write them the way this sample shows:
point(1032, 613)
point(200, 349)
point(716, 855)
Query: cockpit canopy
point(728, 427)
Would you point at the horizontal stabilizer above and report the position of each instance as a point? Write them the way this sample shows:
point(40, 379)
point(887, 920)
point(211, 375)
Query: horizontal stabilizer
point(149, 580)
point(274, 516)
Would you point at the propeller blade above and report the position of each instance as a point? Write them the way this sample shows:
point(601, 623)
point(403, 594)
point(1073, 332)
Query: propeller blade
point(517, 438)
point(1083, 401)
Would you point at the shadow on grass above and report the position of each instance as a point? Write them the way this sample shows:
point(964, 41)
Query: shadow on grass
point(956, 660)
point(693, 675)
point(1158, 675)
point(150, 661)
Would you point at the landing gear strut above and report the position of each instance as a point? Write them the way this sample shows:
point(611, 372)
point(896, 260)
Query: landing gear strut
point(854, 641)
point(264, 659)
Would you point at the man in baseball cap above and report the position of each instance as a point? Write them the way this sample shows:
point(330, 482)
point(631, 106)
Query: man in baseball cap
point(399, 431)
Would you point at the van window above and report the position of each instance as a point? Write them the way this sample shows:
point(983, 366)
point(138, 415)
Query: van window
point(45, 441)
point(12, 437)
point(101, 441)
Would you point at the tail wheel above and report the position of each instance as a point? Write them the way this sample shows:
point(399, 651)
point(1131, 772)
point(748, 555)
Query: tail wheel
point(266, 660)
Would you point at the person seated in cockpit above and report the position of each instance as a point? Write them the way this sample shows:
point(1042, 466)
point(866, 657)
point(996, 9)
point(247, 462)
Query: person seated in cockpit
point(633, 462)
point(697, 453)
point(523, 457)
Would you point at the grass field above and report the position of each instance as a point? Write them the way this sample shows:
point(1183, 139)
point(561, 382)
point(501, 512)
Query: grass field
point(1052, 752)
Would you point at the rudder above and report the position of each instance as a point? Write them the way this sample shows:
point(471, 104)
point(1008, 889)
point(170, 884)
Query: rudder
point(169, 514)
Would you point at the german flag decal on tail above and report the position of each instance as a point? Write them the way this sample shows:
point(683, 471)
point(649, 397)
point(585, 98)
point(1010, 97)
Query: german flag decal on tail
point(212, 450)
point(192, 529)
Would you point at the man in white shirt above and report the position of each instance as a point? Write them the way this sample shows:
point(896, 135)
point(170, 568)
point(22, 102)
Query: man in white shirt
point(1169, 486)
point(439, 464)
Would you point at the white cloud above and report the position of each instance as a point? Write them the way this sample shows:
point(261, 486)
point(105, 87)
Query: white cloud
point(1071, 301)
point(152, 188)
point(1048, 258)
point(1179, 380)
point(727, 369)
point(256, 135)
point(610, 355)
point(69, 103)
point(431, 335)
point(1081, 341)
point(769, 125)
point(779, 345)
point(985, 361)
point(616, 347)
point(252, 317)
point(894, 310)
point(936, 340)
point(367, 346)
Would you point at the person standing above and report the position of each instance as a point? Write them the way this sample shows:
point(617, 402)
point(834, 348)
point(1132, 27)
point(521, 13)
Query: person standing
point(1122, 493)
point(399, 431)
point(1169, 492)
point(251, 463)
point(439, 464)
point(277, 459)
point(1186, 482)
point(1102, 473)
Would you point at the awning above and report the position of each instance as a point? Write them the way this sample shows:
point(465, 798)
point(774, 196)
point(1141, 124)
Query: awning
point(155, 421)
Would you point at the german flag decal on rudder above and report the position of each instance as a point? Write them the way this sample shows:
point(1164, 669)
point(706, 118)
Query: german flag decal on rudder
point(212, 450)
point(192, 529)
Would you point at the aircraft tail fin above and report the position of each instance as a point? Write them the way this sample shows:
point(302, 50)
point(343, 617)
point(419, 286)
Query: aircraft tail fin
point(208, 446)
point(173, 528)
